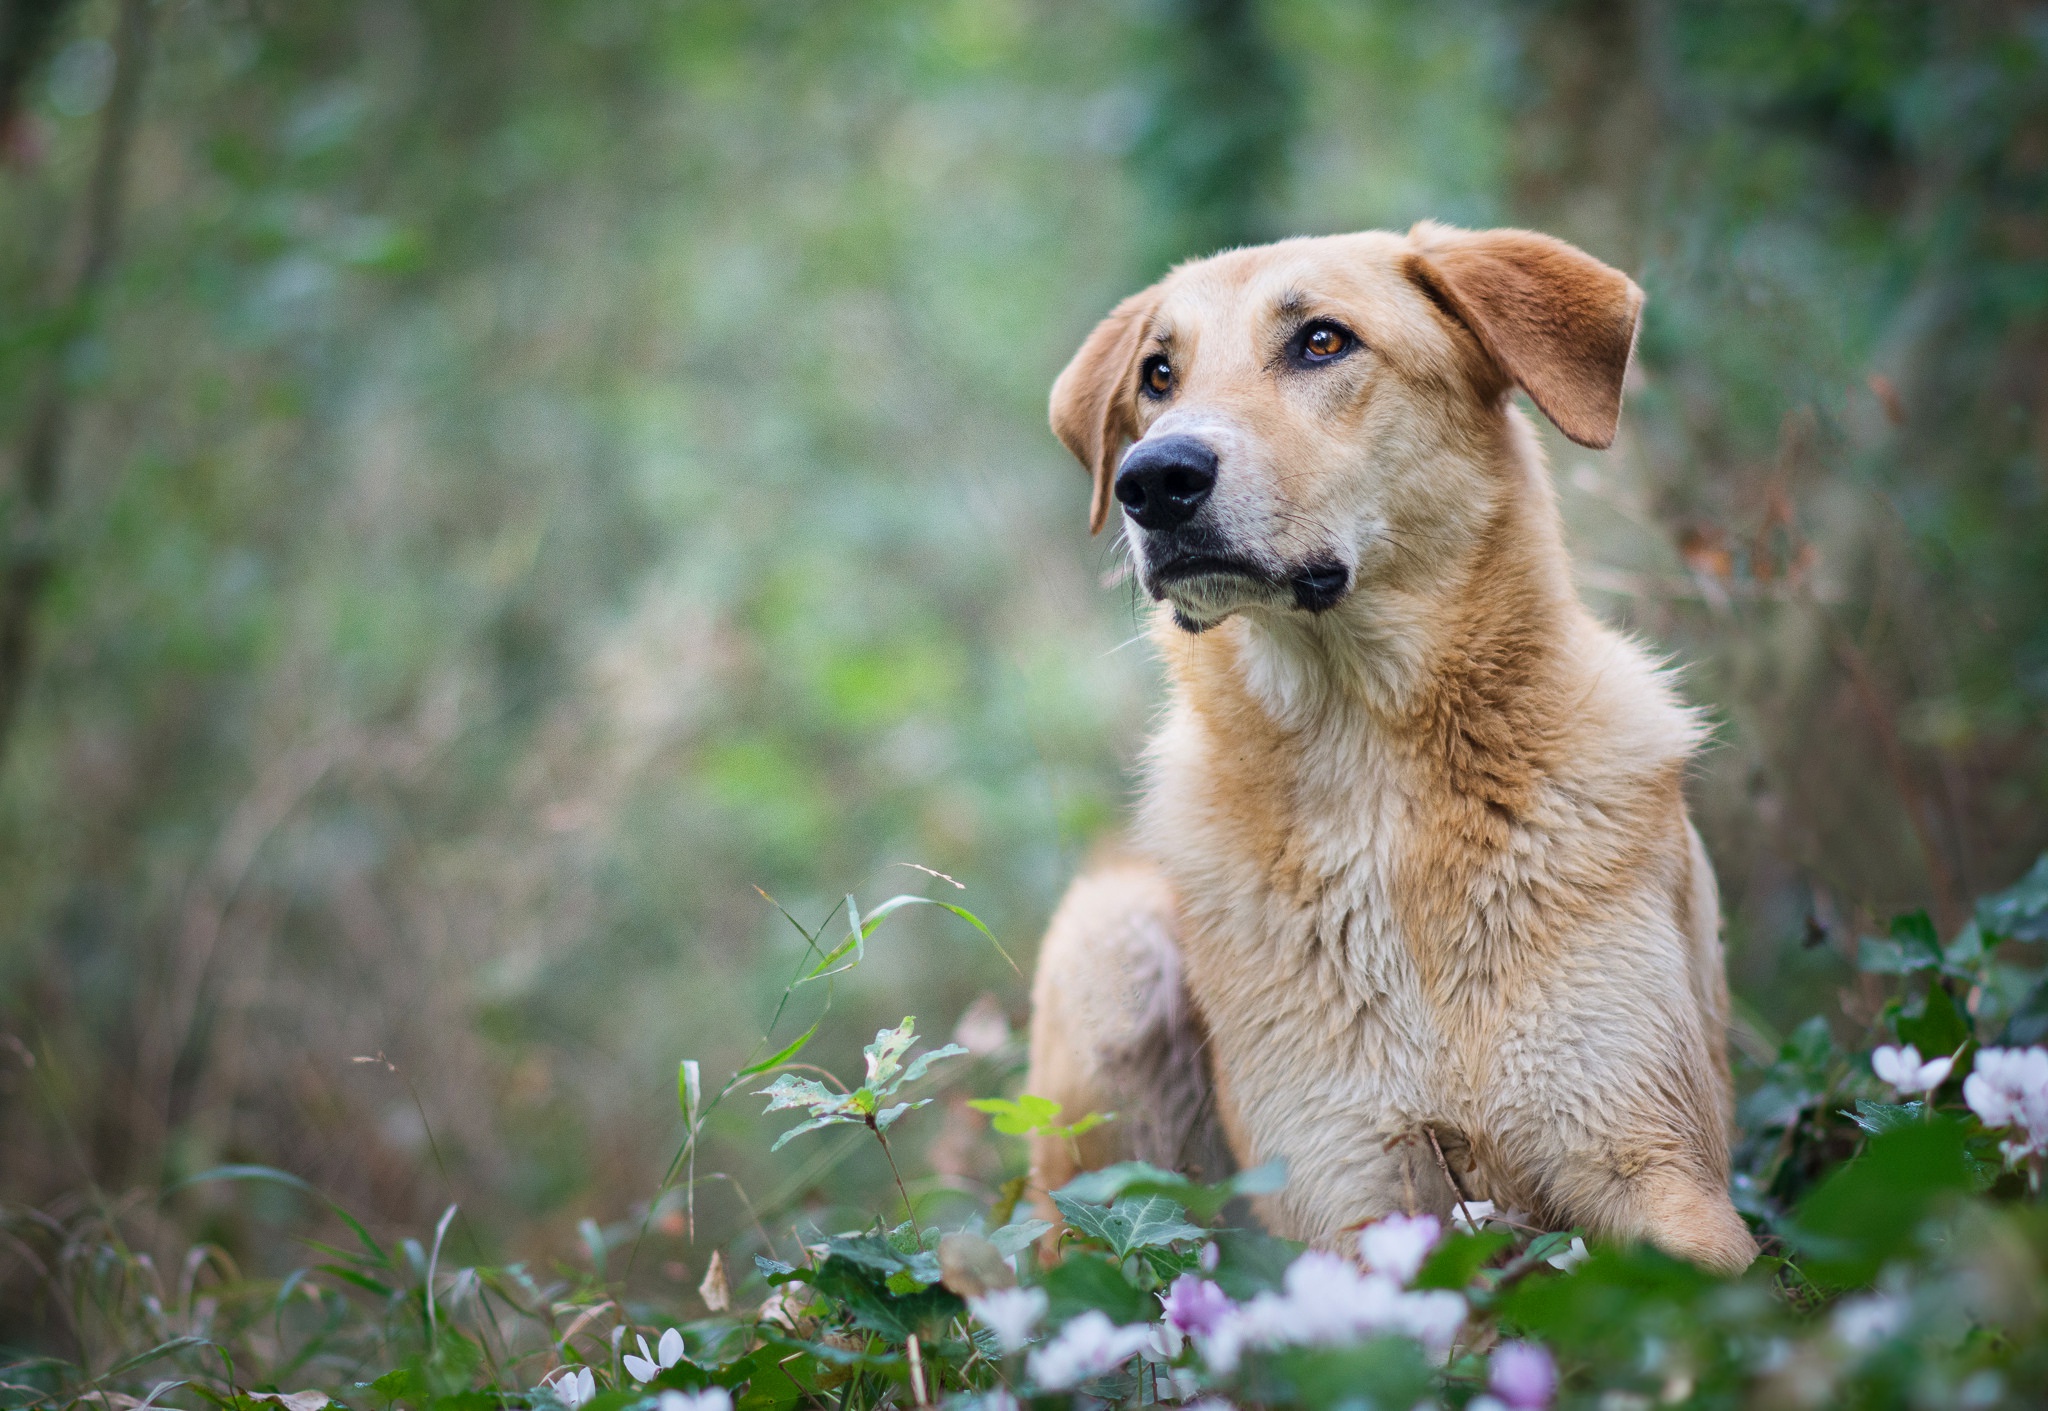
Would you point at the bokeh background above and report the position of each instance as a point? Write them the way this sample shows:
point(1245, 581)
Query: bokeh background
point(488, 486)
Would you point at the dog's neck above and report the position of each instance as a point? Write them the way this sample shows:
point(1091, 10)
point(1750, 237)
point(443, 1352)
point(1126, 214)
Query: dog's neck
point(1469, 660)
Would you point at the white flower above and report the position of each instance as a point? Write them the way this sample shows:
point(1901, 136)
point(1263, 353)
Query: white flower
point(1572, 1258)
point(1470, 1216)
point(1326, 1300)
point(1010, 1314)
point(572, 1386)
point(1397, 1245)
point(649, 1365)
point(1164, 1343)
point(709, 1399)
point(1863, 1323)
point(2009, 1088)
point(1904, 1070)
point(1089, 1346)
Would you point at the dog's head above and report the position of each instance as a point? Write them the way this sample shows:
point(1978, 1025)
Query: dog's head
point(1310, 419)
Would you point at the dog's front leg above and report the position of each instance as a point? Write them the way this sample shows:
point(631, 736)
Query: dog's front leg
point(1112, 1031)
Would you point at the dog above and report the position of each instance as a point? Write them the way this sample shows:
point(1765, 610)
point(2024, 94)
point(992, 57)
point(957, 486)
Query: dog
point(1411, 901)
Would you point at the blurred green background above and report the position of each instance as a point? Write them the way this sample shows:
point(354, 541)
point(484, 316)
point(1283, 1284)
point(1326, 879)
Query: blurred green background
point(505, 480)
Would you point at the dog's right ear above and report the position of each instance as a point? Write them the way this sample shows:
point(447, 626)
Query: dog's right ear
point(1094, 402)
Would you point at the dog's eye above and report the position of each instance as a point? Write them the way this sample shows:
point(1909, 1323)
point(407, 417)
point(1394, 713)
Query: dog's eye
point(1157, 375)
point(1322, 342)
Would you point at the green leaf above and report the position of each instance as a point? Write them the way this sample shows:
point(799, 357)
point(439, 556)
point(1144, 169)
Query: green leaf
point(815, 1124)
point(1870, 1211)
point(690, 1091)
point(1017, 1237)
point(885, 1055)
point(1457, 1257)
point(2020, 912)
point(1887, 957)
point(789, 1090)
point(1133, 1223)
point(1085, 1280)
point(1875, 1117)
point(860, 1271)
point(1939, 1028)
point(1383, 1372)
point(1139, 1178)
point(886, 1118)
point(1249, 1262)
point(1610, 1303)
point(919, 1064)
point(1026, 1116)
point(782, 1056)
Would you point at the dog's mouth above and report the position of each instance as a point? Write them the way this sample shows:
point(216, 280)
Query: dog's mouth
point(1206, 586)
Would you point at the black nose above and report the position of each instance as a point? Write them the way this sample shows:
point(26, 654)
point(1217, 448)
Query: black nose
point(1162, 483)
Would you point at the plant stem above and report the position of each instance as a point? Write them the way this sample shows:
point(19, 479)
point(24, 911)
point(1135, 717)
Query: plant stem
point(890, 1157)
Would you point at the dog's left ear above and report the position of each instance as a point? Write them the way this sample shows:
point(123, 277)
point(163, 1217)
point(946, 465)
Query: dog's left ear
point(1094, 402)
point(1559, 323)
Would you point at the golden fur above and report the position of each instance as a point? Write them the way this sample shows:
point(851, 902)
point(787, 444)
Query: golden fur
point(1413, 870)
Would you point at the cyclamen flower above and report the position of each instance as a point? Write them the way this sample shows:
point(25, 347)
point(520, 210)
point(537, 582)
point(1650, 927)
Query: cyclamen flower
point(1010, 1314)
point(572, 1386)
point(1089, 1346)
point(1470, 1216)
point(1904, 1070)
point(1863, 1323)
point(1194, 1305)
point(2009, 1088)
point(1326, 1300)
point(1522, 1375)
point(709, 1399)
point(1570, 1259)
point(1397, 1245)
point(649, 1365)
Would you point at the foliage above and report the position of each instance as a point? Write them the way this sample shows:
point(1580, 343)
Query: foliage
point(1905, 1264)
point(533, 471)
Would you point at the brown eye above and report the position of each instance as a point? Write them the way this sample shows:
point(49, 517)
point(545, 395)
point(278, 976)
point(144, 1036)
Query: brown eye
point(1158, 376)
point(1324, 342)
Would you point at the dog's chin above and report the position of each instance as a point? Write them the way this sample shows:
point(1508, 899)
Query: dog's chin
point(1204, 592)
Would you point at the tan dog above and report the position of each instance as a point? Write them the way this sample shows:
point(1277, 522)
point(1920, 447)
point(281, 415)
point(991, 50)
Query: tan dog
point(1412, 872)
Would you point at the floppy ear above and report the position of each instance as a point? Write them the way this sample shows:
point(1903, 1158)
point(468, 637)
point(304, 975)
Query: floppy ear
point(1094, 411)
point(1559, 323)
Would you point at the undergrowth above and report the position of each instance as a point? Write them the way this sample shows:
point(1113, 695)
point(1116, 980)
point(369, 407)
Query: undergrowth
point(1896, 1195)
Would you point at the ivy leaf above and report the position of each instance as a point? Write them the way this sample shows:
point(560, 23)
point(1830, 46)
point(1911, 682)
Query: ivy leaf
point(1134, 1222)
point(1139, 1178)
point(1013, 1239)
point(1939, 1027)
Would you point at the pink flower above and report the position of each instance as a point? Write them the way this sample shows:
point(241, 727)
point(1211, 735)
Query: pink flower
point(1010, 1314)
point(1194, 1305)
point(1090, 1346)
point(2009, 1088)
point(1522, 1375)
point(1397, 1245)
point(1904, 1070)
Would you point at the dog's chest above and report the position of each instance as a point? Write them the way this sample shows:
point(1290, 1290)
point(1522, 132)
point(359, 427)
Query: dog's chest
point(1292, 879)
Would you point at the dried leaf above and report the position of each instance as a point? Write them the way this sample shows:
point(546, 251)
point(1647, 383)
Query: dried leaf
point(715, 1292)
point(970, 1265)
